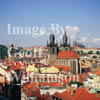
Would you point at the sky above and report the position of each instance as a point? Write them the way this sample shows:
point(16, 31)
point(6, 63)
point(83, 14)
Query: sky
point(80, 19)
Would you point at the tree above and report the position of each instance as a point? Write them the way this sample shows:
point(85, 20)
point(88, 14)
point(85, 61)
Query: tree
point(98, 52)
point(94, 57)
point(3, 51)
point(90, 52)
point(75, 82)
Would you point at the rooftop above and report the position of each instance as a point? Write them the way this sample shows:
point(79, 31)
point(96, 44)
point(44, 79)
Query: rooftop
point(67, 54)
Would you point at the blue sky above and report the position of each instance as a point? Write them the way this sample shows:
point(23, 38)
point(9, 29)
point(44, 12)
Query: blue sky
point(82, 14)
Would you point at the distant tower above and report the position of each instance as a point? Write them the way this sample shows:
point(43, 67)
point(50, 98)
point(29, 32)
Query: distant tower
point(52, 46)
point(52, 50)
point(11, 53)
point(52, 39)
point(65, 46)
point(65, 39)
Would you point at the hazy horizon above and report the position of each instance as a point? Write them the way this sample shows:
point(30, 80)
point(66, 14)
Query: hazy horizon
point(80, 17)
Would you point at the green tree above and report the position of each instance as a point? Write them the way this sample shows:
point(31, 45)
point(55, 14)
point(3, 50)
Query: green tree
point(3, 51)
point(75, 82)
point(90, 52)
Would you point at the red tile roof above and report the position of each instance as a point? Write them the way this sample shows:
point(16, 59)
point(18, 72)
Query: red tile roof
point(58, 85)
point(66, 69)
point(55, 84)
point(67, 54)
point(56, 94)
point(13, 68)
point(16, 66)
point(98, 72)
point(43, 97)
point(44, 84)
point(31, 89)
point(51, 84)
point(64, 95)
point(82, 94)
point(63, 68)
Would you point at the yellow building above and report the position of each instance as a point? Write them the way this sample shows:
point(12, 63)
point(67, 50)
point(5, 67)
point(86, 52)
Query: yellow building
point(51, 69)
point(31, 68)
point(96, 80)
point(93, 81)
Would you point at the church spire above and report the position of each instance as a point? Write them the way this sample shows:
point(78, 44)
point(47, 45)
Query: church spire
point(47, 43)
point(60, 43)
point(65, 39)
point(52, 39)
point(57, 43)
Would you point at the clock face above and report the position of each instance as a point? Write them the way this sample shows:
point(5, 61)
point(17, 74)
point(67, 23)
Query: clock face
point(94, 65)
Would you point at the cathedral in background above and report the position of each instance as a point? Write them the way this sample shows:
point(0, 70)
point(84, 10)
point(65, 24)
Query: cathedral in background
point(63, 54)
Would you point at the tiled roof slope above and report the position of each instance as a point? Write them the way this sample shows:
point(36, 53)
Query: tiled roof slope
point(67, 54)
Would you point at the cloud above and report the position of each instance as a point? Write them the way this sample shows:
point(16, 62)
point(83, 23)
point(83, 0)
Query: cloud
point(89, 34)
point(60, 38)
point(89, 39)
point(83, 39)
point(42, 33)
point(72, 31)
point(96, 41)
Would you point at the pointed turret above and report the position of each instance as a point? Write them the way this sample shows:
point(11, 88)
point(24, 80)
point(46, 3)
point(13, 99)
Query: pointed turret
point(65, 45)
point(65, 39)
point(47, 43)
point(56, 43)
point(52, 39)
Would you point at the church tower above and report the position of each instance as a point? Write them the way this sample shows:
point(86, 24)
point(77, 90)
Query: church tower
point(52, 46)
point(52, 49)
point(65, 46)
point(65, 39)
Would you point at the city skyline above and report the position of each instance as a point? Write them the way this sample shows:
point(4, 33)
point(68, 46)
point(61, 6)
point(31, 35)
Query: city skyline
point(80, 17)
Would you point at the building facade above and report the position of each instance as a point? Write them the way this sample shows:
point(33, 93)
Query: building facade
point(63, 54)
